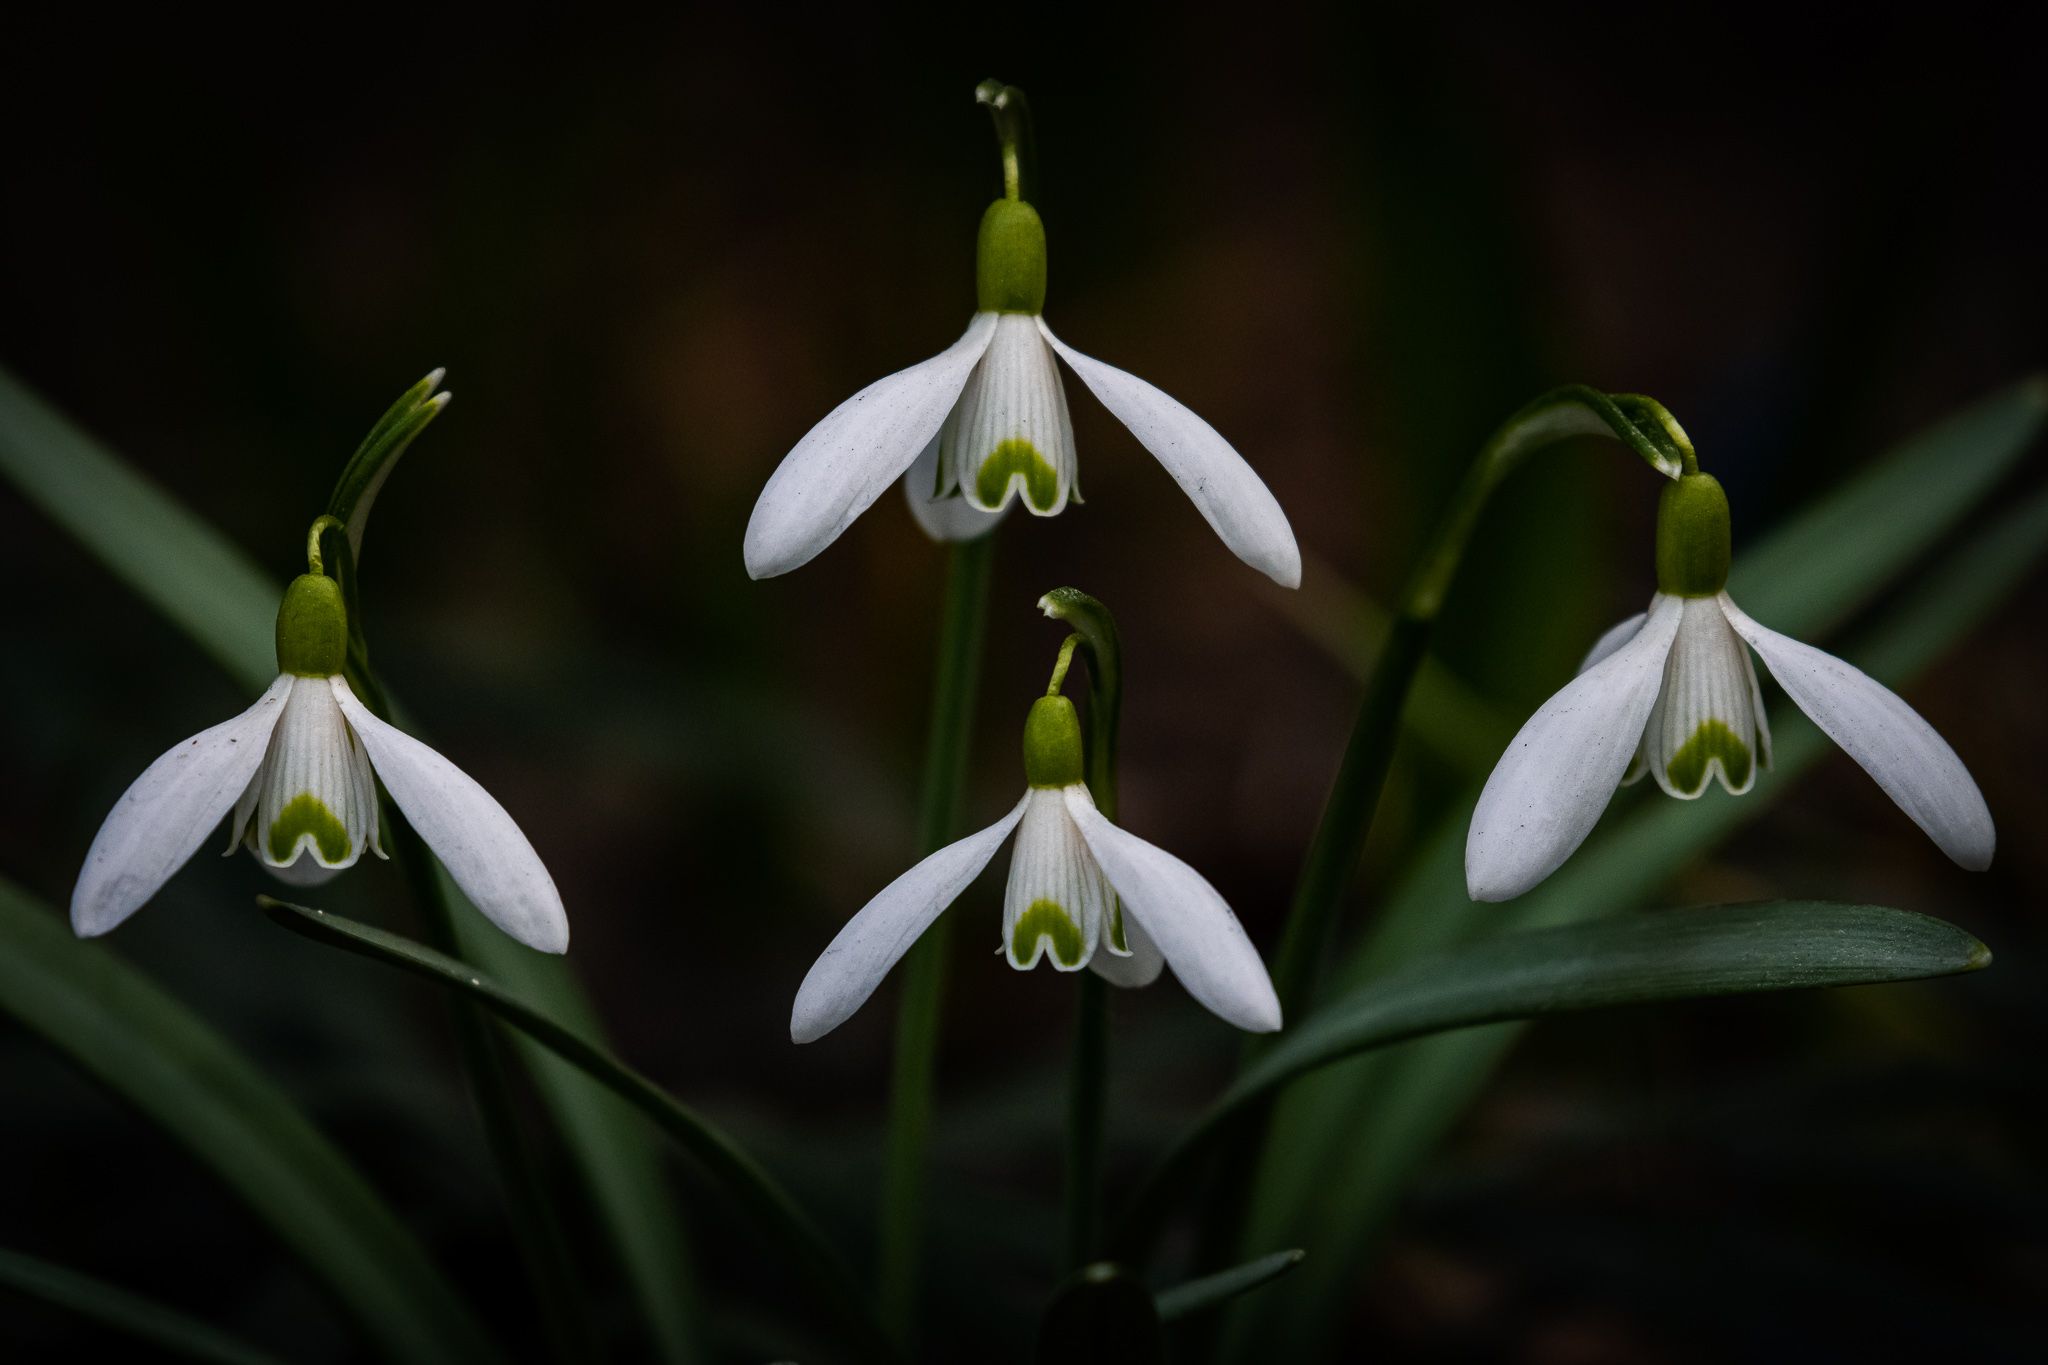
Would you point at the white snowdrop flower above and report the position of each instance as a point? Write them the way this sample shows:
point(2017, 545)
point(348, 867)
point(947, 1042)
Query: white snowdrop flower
point(1672, 693)
point(1082, 893)
point(984, 424)
point(297, 773)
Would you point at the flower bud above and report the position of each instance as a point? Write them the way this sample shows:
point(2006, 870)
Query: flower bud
point(1009, 259)
point(1052, 743)
point(312, 628)
point(1692, 537)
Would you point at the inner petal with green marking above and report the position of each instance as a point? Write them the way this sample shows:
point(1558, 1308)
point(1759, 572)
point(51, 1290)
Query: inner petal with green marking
point(1708, 721)
point(1713, 741)
point(307, 815)
point(1049, 921)
point(1018, 462)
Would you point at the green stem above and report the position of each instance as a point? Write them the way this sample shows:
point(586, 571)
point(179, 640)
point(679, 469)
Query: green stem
point(917, 1021)
point(1648, 429)
point(1015, 137)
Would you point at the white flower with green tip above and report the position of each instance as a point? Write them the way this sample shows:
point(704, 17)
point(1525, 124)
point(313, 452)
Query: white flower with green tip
point(1082, 893)
point(1672, 693)
point(297, 773)
point(984, 423)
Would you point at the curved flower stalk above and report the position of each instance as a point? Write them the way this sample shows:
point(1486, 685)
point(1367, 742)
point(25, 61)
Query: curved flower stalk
point(1082, 893)
point(297, 774)
point(1671, 693)
point(984, 423)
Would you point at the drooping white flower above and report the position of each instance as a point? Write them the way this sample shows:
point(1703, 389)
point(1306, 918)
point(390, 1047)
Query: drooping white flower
point(1672, 693)
point(984, 424)
point(1081, 893)
point(297, 773)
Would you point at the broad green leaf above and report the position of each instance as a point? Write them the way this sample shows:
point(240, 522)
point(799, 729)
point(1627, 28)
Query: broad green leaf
point(115, 1024)
point(1627, 960)
point(217, 595)
point(131, 1315)
point(1213, 1291)
point(726, 1163)
point(1354, 1136)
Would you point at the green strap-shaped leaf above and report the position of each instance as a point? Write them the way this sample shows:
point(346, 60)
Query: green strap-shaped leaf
point(770, 1208)
point(1353, 1136)
point(131, 1315)
point(1213, 1291)
point(212, 590)
point(1633, 959)
point(115, 1024)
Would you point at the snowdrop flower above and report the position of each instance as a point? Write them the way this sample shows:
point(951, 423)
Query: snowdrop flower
point(1672, 693)
point(297, 773)
point(1081, 893)
point(984, 424)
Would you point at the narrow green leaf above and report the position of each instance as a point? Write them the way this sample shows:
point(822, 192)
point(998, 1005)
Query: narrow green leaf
point(1632, 959)
point(213, 591)
point(115, 1023)
point(1213, 1291)
point(129, 1314)
point(723, 1160)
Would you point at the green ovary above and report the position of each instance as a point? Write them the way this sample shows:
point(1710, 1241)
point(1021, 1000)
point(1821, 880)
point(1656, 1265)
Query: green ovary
point(1050, 921)
point(1688, 767)
point(1012, 457)
point(308, 814)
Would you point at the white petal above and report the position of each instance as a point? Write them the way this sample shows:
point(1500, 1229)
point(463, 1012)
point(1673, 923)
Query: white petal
point(1913, 764)
point(1010, 435)
point(943, 517)
point(315, 796)
point(1139, 968)
point(166, 813)
point(1614, 639)
point(1705, 723)
point(1057, 899)
point(1186, 917)
point(1560, 771)
point(862, 953)
point(1230, 497)
point(468, 831)
point(861, 447)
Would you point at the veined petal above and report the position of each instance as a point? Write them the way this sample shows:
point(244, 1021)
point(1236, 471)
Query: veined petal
point(468, 831)
point(1230, 497)
point(1559, 772)
point(1185, 917)
point(1915, 766)
point(1705, 723)
point(315, 795)
point(862, 446)
point(1010, 435)
point(1057, 900)
point(862, 953)
point(1614, 638)
point(948, 516)
point(1140, 967)
point(165, 814)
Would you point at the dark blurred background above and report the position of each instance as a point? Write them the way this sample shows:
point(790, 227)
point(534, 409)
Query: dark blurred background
point(653, 252)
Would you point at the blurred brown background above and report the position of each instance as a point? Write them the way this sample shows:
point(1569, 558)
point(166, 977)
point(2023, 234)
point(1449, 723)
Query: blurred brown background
point(653, 252)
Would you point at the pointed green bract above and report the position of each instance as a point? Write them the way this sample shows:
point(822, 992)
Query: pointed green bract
point(1688, 767)
point(1013, 457)
point(308, 814)
point(1050, 921)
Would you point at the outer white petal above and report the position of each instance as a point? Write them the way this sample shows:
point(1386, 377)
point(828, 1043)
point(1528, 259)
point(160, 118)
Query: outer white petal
point(1915, 766)
point(862, 953)
point(946, 518)
point(1186, 917)
point(1230, 497)
point(1615, 638)
point(470, 833)
point(167, 812)
point(1140, 968)
point(862, 446)
point(1560, 771)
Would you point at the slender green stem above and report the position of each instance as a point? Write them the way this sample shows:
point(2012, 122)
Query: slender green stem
point(1015, 137)
point(765, 1203)
point(1649, 430)
point(537, 1228)
point(962, 613)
